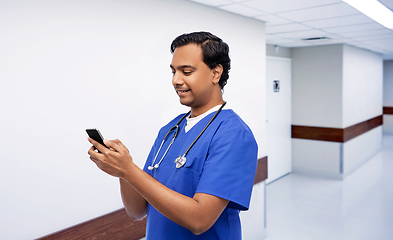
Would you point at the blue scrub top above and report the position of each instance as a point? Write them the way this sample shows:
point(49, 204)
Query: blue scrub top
point(221, 163)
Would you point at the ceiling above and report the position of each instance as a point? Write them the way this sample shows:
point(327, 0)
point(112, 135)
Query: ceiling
point(290, 22)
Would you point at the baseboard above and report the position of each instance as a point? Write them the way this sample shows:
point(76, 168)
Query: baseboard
point(317, 173)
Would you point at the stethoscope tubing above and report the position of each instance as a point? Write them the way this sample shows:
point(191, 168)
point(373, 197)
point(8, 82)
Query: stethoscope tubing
point(176, 129)
point(200, 134)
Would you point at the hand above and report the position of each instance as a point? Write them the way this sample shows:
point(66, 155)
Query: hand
point(114, 160)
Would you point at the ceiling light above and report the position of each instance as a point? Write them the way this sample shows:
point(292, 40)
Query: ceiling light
point(316, 39)
point(375, 10)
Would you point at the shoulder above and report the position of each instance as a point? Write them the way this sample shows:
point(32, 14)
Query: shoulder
point(231, 127)
point(229, 120)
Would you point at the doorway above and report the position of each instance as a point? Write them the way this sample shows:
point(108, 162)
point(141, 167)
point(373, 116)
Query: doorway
point(278, 117)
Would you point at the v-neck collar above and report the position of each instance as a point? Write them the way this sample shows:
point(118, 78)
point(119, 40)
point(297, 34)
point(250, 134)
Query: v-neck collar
point(191, 122)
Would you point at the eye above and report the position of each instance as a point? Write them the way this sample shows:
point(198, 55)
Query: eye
point(187, 73)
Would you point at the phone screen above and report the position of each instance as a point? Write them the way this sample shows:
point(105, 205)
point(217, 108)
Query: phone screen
point(96, 135)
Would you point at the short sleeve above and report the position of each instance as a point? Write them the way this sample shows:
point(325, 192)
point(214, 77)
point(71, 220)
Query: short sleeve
point(230, 166)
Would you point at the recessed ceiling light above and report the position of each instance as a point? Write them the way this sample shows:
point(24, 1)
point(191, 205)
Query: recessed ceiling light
point(375, 10)
point(316, 38)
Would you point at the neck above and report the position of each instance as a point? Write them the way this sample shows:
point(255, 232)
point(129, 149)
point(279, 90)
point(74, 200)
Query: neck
point(201, 110)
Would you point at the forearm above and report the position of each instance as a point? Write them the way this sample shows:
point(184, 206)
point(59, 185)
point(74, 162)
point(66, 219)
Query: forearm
point(197, 214)
point(190, 213)
point(134, 203)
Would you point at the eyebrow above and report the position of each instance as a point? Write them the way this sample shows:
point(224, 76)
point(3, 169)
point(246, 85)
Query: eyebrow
point(183, 66)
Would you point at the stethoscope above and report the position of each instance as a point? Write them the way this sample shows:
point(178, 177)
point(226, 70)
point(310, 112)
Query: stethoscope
point(181, 160)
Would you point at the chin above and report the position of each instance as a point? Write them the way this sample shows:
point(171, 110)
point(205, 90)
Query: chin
point(185, 102)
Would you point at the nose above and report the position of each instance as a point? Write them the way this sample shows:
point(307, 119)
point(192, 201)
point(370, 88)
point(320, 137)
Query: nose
point(177, 79)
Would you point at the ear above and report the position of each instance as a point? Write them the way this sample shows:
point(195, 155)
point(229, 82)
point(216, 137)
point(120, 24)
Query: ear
point(217, 72)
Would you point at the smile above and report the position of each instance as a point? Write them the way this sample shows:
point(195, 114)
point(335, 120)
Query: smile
point(179, 92)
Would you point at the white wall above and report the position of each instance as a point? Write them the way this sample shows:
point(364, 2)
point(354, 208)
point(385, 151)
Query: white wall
point(335, 86)
point(388, 123)
point(71, 65)
point(317, 86)
point(277, 51)
point(359, 150)
point(388, 83)
point(388, 95)
point(362, 85)
point(254, 221)
point(321, 158)
point(362, 100)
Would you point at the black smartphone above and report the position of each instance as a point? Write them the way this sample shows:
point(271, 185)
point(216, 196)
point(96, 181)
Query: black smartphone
point(96, 135)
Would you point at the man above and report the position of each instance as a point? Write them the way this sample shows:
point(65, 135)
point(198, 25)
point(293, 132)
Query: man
point(194, 186)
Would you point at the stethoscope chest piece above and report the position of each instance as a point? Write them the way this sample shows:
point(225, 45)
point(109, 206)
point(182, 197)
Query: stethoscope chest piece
point(180, 161)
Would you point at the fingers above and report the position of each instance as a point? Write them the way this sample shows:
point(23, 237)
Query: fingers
point(94, 155)
point(114, 160)
point(111, 144)
point(99, 158)
point(116, 145)
point(117, 141)
point(97, 145)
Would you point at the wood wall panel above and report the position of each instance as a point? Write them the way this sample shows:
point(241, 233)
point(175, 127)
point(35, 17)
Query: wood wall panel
point(336, 134)
point(118, 225)
point(261, 174)
point(387, 110)
point(318, 133)
point(363, 127)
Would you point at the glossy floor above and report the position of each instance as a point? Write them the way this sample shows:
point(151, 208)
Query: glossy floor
point(359, 207)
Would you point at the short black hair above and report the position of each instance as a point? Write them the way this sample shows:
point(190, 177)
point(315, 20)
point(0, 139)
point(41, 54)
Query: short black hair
point(214, 51)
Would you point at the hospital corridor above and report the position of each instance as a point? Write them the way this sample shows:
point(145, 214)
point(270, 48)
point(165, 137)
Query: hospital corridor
point(307, 153)
point(360, 207)
point(306, 207)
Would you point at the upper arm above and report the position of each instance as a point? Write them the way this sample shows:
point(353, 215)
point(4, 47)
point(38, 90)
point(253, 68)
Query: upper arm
point(229, 170)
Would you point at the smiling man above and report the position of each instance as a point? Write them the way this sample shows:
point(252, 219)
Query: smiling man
point(200, 171)
point(195, 83)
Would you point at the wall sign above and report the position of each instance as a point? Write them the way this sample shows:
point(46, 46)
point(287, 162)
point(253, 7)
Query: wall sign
point(276, 86)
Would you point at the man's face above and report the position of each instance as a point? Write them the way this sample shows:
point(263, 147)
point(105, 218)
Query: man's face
point(192, 78)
